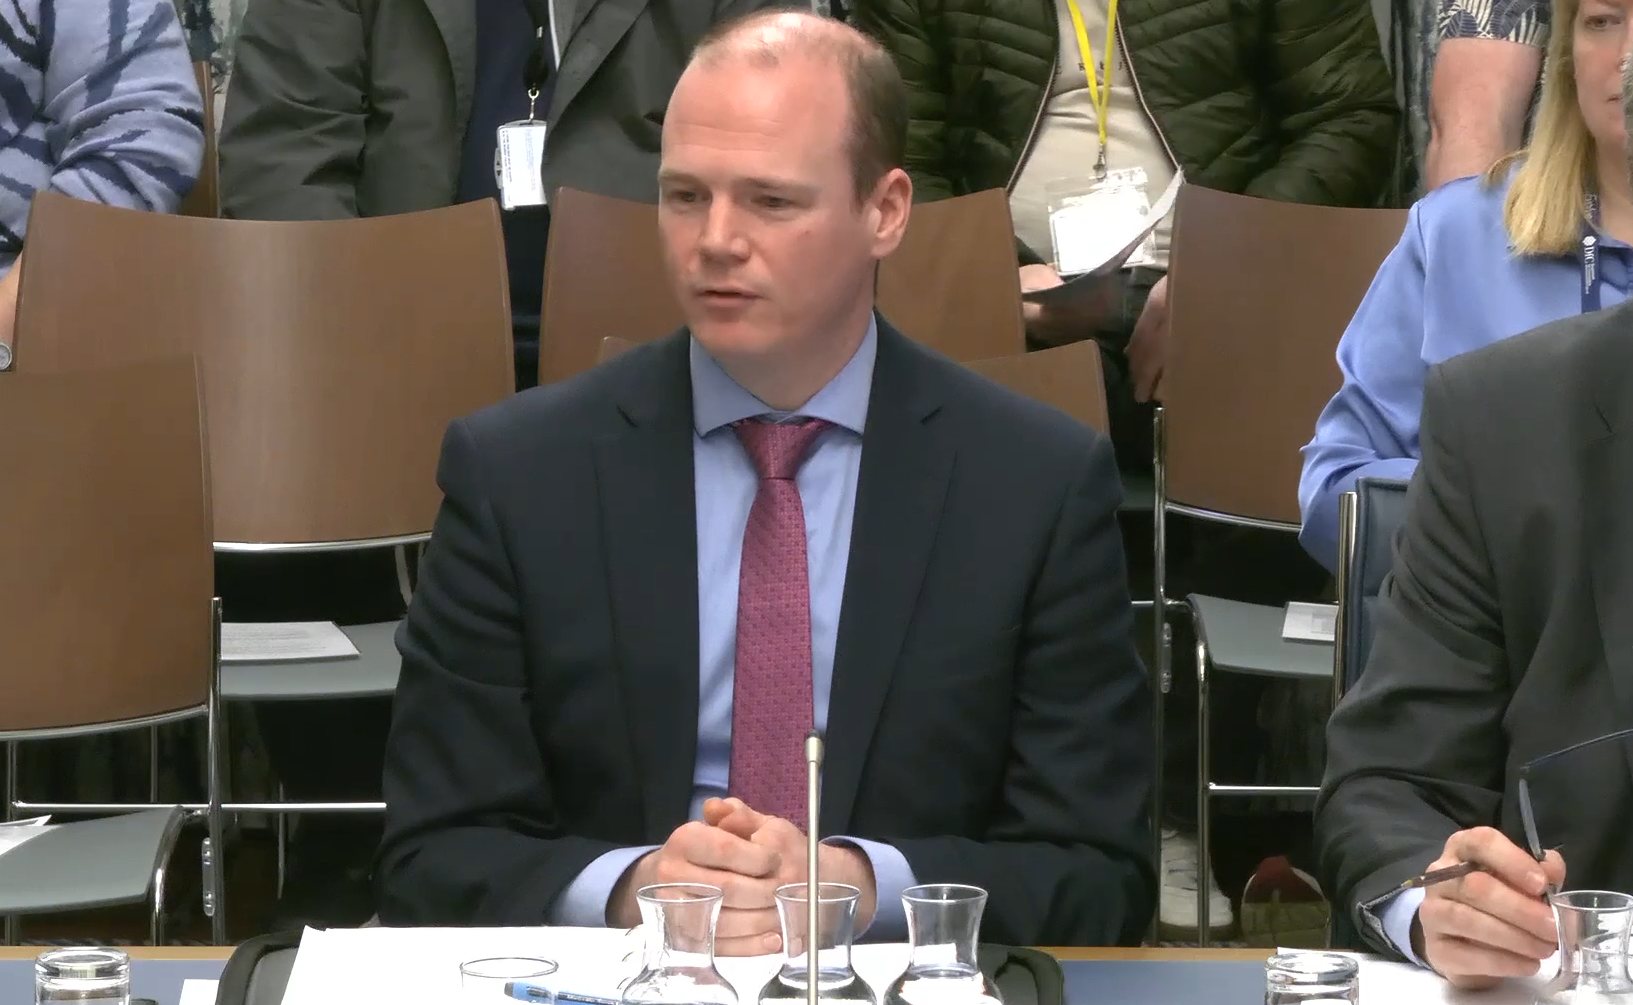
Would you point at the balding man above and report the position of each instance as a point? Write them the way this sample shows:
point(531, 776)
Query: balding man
point(647, 584)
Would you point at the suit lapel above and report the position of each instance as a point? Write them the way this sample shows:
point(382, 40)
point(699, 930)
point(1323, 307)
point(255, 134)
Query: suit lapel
point(456, 21)
point(649, 508)
point(597, 27)
point(1607, 528)
point(907, 463)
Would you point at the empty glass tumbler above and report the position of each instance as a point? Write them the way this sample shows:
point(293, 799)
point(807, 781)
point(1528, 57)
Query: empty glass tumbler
point(678, 962)
point(1593, 943)
point(836, 928)
point(943, 929)
point(1309, 978)
point(506, 978)
point(94, 976)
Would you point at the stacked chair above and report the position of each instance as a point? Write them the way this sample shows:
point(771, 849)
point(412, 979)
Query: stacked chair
point(333, 356)
point(1259, 294)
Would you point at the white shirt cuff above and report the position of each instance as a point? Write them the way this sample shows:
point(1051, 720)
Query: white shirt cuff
point(891, 875)
point(1396, 917)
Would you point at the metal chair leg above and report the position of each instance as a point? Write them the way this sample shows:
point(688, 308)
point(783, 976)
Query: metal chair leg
point(215, 906)
point(1204, 777)
point(280, 827)
point(153, 764)
point(8, 795)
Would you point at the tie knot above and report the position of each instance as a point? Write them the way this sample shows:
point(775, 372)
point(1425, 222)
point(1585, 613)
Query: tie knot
point(778, 448)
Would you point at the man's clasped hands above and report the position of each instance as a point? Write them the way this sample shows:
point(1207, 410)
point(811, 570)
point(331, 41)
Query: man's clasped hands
point(748, 855)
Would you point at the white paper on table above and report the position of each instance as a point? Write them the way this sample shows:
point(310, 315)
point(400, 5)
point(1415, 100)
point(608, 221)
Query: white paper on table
point(196, 992)
point(1310, 622)
point(15, 833)
point(344, 966)
point(284, 642)
point(1390, 982)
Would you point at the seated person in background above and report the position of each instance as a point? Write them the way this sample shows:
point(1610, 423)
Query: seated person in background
point(1502, 635)
point(647, 583)
point(1282, 99)
point(1483, 259)
point(101, 105)
point(342, 108)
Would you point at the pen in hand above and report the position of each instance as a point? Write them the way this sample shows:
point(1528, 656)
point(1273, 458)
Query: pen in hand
point(1447, 874)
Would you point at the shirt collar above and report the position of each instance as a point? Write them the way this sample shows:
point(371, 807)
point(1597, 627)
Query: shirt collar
point(718, 400)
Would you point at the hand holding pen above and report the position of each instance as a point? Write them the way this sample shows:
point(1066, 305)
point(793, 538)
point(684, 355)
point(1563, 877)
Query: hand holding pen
point(1484, 916)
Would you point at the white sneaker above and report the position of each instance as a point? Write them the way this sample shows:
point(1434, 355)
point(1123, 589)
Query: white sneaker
point(1177, 910)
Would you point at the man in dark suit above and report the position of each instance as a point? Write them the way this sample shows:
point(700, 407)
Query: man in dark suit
point(649, 582)
point(1504, 632)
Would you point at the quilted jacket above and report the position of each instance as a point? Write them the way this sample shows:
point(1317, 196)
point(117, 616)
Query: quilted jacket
point(1284, 99)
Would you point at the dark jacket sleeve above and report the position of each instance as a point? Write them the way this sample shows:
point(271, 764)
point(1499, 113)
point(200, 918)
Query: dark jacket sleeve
point(1067, 858)
point(292, 133)
point(471, 834)
point(1330, 91)
point(1416, 750)
point(900, 26)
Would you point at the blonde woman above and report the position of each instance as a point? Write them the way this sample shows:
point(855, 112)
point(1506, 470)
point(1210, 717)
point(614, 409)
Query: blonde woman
point(1542, 235)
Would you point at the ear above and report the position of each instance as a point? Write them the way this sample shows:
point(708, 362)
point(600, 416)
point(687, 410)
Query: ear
point(888, 209)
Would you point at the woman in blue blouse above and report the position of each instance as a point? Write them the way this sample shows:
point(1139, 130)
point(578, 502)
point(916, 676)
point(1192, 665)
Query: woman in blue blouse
point(1482, 259)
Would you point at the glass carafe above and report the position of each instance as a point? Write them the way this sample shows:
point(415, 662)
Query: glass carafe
point(836, 928)
point(1593, 943)
point(678, 966)
point(943, 927)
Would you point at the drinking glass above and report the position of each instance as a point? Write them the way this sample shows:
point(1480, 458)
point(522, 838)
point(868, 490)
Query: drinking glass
point(1308, 978)
point(96, 976)
point(1593, 933)
point(943, 929)
point(836, 928)
point(678, 963)
point(492, 979)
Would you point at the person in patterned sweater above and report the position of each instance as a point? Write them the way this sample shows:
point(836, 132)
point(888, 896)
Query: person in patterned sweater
point(97, 101)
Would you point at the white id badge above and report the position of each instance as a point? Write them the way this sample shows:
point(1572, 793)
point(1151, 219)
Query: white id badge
point(518, 162)
point(1090, 225)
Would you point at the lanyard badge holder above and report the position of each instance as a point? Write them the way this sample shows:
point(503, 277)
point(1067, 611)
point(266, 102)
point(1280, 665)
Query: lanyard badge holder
point(518, 153)
point(1090, 222)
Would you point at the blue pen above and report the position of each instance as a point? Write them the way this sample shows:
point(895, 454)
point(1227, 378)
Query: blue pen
point(523, 991)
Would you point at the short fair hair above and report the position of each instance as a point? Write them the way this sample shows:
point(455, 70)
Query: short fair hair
point(1547, 199)
point(877, 140)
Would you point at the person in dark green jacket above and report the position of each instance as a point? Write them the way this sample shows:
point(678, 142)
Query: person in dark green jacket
point(1284, 99)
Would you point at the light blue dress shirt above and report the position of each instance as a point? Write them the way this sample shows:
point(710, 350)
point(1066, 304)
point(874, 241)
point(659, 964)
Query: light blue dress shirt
point(726, 483)
point(1449, 286)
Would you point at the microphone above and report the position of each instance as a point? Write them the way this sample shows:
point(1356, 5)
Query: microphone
point(813, 807)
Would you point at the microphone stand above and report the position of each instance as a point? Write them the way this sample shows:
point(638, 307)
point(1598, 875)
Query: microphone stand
point(813, 800)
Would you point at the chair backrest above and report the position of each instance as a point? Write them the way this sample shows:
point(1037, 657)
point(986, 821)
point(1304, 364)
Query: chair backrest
point(1067, 377)
point(603, 275)
point(334, 353)
point(1259, 293)
point(205, 198)
point(612, 347)
point(953, 284)
point(1366, 555)
point(106, 586)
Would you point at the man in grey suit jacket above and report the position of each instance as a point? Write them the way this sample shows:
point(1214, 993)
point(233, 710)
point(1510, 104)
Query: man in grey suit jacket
point(1504, 632)
point(341, 108)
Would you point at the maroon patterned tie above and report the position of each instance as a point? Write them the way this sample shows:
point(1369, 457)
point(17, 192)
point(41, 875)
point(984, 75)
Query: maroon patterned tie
point(771, 689)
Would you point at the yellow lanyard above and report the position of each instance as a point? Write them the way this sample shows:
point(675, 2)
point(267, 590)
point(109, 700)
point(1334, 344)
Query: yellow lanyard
point(1099, 89)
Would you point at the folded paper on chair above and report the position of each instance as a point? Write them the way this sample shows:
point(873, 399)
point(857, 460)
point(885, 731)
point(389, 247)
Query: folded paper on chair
point(1099, 290)
point(1310, 622)
point(16, 833)
point(284, 642)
